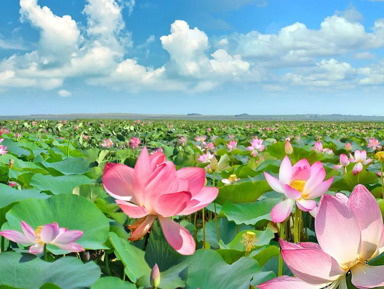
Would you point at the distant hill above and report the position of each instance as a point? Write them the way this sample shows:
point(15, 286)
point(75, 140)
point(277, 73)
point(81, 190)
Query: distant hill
point(197, 116)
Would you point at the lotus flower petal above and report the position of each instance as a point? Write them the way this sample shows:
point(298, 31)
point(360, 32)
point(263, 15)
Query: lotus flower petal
point(281, 211)
point(334, 224)
point(177, 236)
point(117, 181)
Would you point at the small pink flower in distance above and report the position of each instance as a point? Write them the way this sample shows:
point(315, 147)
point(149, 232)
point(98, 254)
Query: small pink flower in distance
point(301, 184)
point(231, 136)
point(256, 146)
point(232, 145)
point(288, 148)
point(86, 137)
point(134, 142)
point(344, 162)
point(360, 158)
point(209, 129)
point(4, 130)
point(318, 146)
point(155, 189)
point(183, 140)
point(158, 150)
point(348, 146)
point(12, 184)
point(76, 127)
point(328, 151)
point(47, 234)
point(18, 135)
point(350, 234)
point(16, 122)
point(107, 143)
point(102, 124)
point(206, 158)
point(201, 138)
point(64, 122)
point(374, 144)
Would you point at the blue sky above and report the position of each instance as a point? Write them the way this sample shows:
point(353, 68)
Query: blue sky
point(192, 56)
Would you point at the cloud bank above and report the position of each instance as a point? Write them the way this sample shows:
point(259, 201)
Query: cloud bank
point(295, 56)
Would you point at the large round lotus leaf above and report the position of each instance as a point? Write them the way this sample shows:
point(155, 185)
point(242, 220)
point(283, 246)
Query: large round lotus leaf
point(69, 211)
point(27, 271)
point(112, 282)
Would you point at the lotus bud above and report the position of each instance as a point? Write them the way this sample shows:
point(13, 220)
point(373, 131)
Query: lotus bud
point(288, 148)
point(155, 277)
point(344, 161)
point(214, 164)
point(348, 146)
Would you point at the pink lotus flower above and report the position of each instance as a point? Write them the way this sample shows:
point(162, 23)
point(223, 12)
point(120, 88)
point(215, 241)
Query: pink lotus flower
point(12, 184)
point(256, 146)
point(344, 162)
point(348, 146)
point(350, 234)
point(47, 234)
point(288, 148)
point(3, 150)
point(360, 158)
point(206, 158)
point(155, 189)
point(318, 146)
point(201, 138)
point(374, 144)
point(107, 143)
point(232, 145)
point(134, 142)
point(300, 183)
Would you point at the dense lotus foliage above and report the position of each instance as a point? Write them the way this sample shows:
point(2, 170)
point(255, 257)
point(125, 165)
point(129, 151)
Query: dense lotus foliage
point(191, 204)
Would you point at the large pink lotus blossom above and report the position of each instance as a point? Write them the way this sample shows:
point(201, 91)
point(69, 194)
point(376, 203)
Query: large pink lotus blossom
point(155, 189)
point(350, 233)
point(256, 146)
point(360, 158)
point(47, 234)
point(300, 183)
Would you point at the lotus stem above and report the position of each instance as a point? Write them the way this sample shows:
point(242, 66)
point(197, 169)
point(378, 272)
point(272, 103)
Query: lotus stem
point(296, 226)
point(45, 253)
point(204, 237)
point(216, 219)
point(282, 236)
point(382, 178)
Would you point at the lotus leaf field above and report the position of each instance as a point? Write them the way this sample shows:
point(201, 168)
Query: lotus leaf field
point(191, 204)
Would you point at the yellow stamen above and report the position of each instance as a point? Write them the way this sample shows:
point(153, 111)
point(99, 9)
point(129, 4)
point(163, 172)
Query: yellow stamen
point(249, 241)
point(299, 186)
point(38, 235)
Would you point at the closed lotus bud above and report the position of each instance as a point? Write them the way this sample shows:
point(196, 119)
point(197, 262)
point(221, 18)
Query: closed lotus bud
point(344, 161)
point(288, 148)
point(155, 277)
point(214, 164)
point(348, 146)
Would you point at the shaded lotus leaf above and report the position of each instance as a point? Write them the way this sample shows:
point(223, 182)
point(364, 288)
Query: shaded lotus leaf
point(28, 271)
